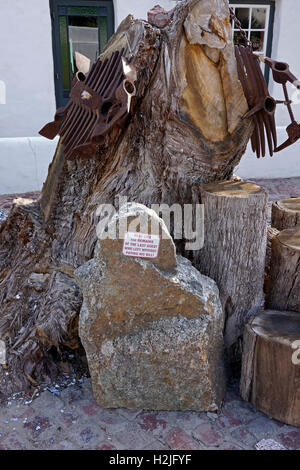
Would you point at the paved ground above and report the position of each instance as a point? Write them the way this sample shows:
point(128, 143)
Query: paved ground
point(69, 418)
point(280, 188)
point(73, 420)
point(6, 200)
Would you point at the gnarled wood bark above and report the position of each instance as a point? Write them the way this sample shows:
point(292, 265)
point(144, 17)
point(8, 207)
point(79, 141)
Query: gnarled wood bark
point(235, 225)
point(186, 129)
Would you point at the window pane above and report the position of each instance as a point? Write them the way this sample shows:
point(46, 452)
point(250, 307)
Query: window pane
point(84, 37)
point(82, 11)
point(242, 15)
point(63, 37)
point(257, 38)
point(238, 38)
point(103, 31)
point(258, 18)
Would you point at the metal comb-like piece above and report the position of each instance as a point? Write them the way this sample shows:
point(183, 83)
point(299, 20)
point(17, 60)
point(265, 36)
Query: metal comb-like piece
point(97, 103)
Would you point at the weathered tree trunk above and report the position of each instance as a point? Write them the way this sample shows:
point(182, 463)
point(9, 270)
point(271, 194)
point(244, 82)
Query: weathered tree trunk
point(186, 129)
point(284, 283)
point(235, 225)
point(286, 213)
point(270, 370)
point(271, 233)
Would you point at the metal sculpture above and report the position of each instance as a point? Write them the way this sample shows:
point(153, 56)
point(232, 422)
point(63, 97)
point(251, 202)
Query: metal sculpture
point(262, 106)
point(97, 103)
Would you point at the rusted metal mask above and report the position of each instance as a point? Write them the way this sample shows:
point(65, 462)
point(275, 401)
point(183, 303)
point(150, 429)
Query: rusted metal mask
point(98, 103)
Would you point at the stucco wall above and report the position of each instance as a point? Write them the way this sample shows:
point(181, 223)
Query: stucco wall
point(26, 67)
point(138, 8)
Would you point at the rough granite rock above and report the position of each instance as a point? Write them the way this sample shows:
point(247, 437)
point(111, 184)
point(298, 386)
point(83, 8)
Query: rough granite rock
point(152, 329)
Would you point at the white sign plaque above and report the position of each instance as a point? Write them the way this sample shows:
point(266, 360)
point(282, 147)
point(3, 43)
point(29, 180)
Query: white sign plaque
point(141, 245)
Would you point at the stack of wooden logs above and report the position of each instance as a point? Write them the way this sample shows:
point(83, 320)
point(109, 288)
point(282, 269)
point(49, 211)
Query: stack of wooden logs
point(236, 239)
point(271, 347)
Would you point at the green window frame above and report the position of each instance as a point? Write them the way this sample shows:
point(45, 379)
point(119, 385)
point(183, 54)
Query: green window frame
point(100, 13)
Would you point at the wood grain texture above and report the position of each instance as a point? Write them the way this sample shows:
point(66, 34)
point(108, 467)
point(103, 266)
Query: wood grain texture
point(271, 371)
point(163, 155)
point(235, 221)
point(286, 213)
point(271, 233)
point(284, 278)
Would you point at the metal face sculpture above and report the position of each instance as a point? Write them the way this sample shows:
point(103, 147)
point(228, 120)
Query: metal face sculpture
point(97, 103)
point(262, 106)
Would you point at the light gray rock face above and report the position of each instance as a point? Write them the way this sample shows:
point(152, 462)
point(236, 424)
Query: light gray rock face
point(152, 329)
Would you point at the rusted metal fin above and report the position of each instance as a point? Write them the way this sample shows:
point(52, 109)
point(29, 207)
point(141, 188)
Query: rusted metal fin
point(51, 129)
point(257, 137)
point(262, 134)
point(242, 75)
point(261, 105)
point(266, 119)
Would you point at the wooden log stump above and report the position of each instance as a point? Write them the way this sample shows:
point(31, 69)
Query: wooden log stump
point(271, 233)
point(284, 285)
point(271, 365)
point(235, 231)
point(286, 214)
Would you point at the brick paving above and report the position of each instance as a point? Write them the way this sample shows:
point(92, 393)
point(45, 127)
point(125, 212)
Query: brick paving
point(73, 420)
point(283, 188)
point(70, 418)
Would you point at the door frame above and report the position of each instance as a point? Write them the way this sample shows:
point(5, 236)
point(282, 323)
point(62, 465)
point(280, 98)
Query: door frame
point(61, 100)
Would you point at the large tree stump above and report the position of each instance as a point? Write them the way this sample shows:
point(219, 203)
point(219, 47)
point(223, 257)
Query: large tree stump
point(235, 225)
point(186, 129)
point(271, 233)
point(284, 283)
point(286, 213)
point(271, 365)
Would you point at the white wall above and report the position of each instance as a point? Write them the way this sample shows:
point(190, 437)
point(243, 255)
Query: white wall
point(24, 163)
point(138, 8)
point(26, 67)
